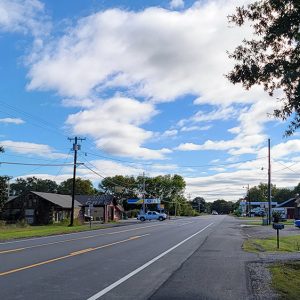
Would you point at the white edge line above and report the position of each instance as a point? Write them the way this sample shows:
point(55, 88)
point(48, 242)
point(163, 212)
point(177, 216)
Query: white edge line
point(121, 280)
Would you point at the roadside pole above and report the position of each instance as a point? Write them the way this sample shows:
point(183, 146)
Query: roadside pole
point(144, 192)
point(76, 147)
point(269, 183)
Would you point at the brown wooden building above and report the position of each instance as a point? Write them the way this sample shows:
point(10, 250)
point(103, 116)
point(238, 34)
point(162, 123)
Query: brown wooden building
point(39, 208)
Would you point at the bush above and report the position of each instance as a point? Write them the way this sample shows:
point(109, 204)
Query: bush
point(132, 213)
point(237, 213)
point(2, 223)
point(67, 221)
point(22, 223)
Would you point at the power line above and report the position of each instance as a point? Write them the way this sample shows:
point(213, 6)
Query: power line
point(42, 165)
point(31, 158)
point(286, 167)
point(180, 166)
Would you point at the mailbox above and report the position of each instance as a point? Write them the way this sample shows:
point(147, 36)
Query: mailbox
point(278, 226)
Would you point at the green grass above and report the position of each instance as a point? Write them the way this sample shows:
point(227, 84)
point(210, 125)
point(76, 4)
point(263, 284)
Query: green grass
point(286, 280)
point(286, 244)
point(13, 232)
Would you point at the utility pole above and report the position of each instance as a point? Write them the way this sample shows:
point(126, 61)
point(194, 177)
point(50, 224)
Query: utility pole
point(76, 147)
point(144, 192)
point(269, 182)
point(249, 201)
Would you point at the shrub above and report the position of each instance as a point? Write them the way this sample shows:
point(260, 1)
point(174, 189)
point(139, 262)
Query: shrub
point(22, 223)
point(132, 213)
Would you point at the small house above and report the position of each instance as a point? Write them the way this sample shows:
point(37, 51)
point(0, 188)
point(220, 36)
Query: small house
point(39, 208)
point(101, 207)
point(289, 208)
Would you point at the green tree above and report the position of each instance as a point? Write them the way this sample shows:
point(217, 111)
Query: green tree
point(296, 190)
point(166, 187)
point(3, 190)
point(199, 204)
point(28, 184)
point(82, 187)
point(271, 58)
point(260, 193)
point(283, 194)
point(123, 187)
point(222, 207)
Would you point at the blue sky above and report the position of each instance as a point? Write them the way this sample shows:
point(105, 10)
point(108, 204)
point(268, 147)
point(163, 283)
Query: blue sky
point(144, 82)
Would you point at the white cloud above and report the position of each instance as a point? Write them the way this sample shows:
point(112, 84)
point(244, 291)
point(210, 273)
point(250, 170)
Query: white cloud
point(16, 121)
point(115, 124)
point(169, 133)
point(282, 150)
point(155, 53)
point(176, 4)
point(249, 134)
point(23, 16)
point(234, 130)
point(195, 128)
point(222, 113)
point(41, 150)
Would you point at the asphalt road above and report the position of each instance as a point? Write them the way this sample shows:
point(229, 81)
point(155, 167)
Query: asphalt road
point(151, 259)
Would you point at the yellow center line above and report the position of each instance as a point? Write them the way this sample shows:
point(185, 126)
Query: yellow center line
point(76, 239)
point(12, 250)
point(72, 254)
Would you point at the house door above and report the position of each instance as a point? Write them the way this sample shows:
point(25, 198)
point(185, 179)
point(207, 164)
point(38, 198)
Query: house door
point(290, 213)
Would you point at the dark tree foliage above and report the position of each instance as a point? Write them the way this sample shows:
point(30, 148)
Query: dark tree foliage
point(272, 58)
point(82, 187)
point(222, 207)
point(199, 204)
point(28, 184)
point(3, 190)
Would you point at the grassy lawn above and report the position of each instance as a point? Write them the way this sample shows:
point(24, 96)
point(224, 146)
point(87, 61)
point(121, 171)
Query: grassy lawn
point(286, 280)
point(258, 221)
point(287, 244)
point(13, 232)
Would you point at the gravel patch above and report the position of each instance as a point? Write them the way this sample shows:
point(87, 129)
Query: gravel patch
point(260, 281)
point(259, 274)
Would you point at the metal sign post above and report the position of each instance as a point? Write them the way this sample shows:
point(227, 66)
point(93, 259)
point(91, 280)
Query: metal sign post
point(89, 214)
point(278, 227)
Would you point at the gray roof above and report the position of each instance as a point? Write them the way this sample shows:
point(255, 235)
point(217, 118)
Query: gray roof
point(64, 201)
point(94, 199)
point(288, 203)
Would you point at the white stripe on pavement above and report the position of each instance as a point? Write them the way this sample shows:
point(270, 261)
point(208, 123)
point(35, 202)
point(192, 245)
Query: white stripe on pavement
point(136, 271)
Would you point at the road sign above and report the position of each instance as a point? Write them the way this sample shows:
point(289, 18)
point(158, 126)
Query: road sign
point(141, 201)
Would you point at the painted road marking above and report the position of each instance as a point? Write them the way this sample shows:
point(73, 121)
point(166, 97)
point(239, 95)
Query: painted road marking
point(12, 250)
point(72, 254)
point(87, 237)
point(169, 222)
point(136, 271)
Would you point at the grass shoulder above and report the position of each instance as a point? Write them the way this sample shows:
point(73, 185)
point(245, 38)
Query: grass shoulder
point(286, 279)
point(11, 232)
point(287, 244)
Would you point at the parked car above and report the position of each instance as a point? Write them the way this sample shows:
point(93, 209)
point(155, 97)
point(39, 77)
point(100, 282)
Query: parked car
point(151, 215)
point(214, 212)
point(297, 223)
